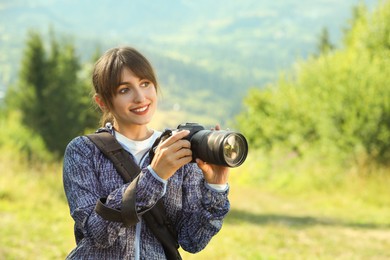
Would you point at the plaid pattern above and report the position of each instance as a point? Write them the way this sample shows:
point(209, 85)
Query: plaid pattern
point(195, 210)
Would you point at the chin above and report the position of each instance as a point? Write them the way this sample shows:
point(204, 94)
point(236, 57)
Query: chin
point(143, 122)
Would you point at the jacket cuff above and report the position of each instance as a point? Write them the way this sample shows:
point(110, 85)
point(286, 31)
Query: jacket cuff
point(215, 202)
point(149, 190)
point(155, 175)
point(217, 187)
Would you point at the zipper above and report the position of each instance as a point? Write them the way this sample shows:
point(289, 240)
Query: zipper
point(138, 227)
point(137, 240)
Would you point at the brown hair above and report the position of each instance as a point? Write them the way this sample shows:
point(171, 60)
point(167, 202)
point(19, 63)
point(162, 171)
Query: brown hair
point(108, 71)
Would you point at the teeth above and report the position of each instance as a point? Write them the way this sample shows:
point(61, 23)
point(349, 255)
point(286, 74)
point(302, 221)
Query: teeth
point(142, 109)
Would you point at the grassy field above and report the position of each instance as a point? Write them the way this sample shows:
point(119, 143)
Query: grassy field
point(268, 225)
point(283, 217)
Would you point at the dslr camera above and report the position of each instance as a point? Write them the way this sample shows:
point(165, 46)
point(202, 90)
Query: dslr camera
point(221, 147)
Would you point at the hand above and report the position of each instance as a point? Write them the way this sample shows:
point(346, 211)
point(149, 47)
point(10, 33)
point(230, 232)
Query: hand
point(214, 174)
point(172, 154)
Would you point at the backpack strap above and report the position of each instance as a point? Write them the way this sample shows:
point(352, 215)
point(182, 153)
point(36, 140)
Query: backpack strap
point(110, 147)
point(128, 169)
point(128, 215)
point(155, 218)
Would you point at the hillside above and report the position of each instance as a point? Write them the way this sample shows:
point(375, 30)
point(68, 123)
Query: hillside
point(204, 52)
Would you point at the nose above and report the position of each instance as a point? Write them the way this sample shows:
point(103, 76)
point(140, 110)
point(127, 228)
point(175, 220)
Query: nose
point(139, 96)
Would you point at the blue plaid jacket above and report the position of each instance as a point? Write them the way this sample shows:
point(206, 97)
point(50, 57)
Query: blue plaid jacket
point(195, 209)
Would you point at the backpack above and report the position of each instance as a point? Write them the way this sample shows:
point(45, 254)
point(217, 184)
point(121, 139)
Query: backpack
point(155, 218)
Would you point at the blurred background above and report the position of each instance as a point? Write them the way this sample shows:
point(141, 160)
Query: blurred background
point(305, 81)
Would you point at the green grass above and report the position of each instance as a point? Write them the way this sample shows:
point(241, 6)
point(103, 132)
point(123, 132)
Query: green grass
point(301, 209)
point(279, 210)
point(269, 225)
point(34, 216)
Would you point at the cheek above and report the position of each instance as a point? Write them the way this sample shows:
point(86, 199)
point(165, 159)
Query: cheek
point(119, 103)
point(152, 94)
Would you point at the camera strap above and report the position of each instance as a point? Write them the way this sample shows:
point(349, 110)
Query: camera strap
point(167, 133)
point(155, 218)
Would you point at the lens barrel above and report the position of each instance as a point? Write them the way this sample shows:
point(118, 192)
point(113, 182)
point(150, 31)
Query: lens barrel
point(220, 147)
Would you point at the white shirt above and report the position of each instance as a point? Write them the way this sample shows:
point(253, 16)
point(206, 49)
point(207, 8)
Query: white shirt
point(137, 148)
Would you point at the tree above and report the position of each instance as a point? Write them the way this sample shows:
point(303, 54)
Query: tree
point(356, 26)
point(33, 79)
point(51, 94)
point(324, 43)
point(61, 97)
point(339, 100)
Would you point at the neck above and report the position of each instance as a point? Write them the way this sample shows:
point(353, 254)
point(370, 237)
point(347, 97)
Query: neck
point(136, 133)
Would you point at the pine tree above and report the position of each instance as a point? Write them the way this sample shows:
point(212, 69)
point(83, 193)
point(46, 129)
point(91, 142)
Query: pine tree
point(52, 97)
point(61, 97)
point(33, 79)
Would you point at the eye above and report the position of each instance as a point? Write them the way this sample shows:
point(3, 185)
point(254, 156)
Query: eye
point(123, 90)
point(145, 84)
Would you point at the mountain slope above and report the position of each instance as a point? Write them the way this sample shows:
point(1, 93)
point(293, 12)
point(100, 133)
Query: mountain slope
point(209, 50)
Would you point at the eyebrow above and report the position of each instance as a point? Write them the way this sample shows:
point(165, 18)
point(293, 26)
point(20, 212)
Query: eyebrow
point(128, 83)
point(124, 83)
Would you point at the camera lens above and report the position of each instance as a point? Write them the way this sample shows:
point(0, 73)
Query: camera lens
point(219, 147)
point(234, 149)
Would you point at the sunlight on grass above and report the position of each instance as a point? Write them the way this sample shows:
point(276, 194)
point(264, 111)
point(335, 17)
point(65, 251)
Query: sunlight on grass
point(34, 217)
point(282, 209)
point(276, 213)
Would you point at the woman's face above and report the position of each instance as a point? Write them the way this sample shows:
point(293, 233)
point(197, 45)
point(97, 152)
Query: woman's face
point(135, 100)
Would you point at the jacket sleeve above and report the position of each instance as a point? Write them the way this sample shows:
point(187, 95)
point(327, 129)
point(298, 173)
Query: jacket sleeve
point(85, 184)
point(203, 211)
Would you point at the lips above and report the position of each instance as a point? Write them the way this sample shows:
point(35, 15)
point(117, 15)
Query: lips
point(140, 110)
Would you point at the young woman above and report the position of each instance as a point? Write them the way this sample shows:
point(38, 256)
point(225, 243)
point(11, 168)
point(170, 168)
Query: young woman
point(194, 195)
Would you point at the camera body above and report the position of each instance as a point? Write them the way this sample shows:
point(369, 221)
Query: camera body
point(192, 127)
point(221, 147)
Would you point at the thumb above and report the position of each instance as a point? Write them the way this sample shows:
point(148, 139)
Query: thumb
point(203, 165)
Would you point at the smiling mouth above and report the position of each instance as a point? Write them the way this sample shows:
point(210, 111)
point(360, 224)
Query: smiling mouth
point(140, 110)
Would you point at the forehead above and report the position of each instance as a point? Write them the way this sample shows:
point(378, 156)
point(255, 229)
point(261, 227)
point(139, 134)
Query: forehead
point(127, 76)
point(127, 73)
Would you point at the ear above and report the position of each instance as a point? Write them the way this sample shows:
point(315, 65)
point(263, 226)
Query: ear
point(99, 101)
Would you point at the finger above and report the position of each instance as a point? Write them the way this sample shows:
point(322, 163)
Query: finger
point(180, 144)
point(176, 151)
point(183, 161)
point(184, 153)
point(175, 137)
point(217, 127)
point(182, 157)
point(202, 165)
